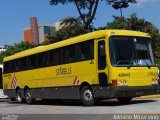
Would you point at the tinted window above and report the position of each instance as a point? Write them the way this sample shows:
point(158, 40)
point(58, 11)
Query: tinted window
point(1, 86)
point(7, 67)
point(32, 61)
point(54, 57)
point(66, 54)
point(72, 53)
point(23, 63)
point(101, 55)
point(15, 65)
point(85, 50)
point(42, 59)
point(69, 54)
point(122, 50)
point(131, 51)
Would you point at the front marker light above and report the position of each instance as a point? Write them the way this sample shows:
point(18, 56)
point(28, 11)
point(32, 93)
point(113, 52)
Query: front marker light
point(154, 81)
point(122, 83)
point(114, 83)
point(125, 83)
point(119, 83)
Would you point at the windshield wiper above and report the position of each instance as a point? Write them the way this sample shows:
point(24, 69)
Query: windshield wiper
point(122, 62)
point(131, 60)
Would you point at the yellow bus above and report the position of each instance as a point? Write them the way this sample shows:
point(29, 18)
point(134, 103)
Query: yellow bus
point(99, 65)
point(1, 68)
point(2, 96)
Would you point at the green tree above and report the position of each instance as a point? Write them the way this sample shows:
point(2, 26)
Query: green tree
point(69, 21)
point(13, 49)
point(117, 23)
point(86, 9)
point(1, 57)
point(70, 27)
point(18, 47)
point(119, 4)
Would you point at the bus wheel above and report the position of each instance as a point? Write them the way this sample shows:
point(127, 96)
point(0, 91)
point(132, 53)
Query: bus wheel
point(19, 96)
point(28, 97)
point(124, 100)
point(12, 99)
point(87, 96)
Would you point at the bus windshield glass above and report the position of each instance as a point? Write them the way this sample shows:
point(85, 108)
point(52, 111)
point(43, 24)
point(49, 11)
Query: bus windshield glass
point(131, 51)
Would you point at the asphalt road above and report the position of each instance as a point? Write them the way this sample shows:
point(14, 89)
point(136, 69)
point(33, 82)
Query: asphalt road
point(72, 108)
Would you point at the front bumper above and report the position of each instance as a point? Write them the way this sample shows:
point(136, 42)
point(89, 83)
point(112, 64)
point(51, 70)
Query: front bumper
point(124, 91)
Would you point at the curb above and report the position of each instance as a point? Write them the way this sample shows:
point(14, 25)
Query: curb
point(149, 96)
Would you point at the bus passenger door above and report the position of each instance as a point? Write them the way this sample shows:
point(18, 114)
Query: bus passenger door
point(102, 64)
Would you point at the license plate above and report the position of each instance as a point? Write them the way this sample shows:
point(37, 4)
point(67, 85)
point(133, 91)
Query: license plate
point(139, 93)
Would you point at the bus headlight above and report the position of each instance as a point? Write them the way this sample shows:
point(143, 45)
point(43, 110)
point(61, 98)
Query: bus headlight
point(125, 83)
point(122, 83)
point(154, 81)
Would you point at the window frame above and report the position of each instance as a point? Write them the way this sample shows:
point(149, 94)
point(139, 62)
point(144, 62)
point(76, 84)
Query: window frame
point(59, 61)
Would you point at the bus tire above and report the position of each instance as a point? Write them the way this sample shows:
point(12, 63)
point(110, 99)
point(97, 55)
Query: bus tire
point(28, 97)
point(87, 96)
point(12, 99)
point(124, 100)
point(19, 96)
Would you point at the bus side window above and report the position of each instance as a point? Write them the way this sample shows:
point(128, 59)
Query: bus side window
point(1, 86)
point(57, 57)
point(69, 53)
point(23, 63)
point(7, 67)
point(54, 57)
point(86, 50)
point(72, 52)
point(66, 54)
point(42, 59)
point(46, 58)
point(80, 55)
point(15, 66)
point(32, 61)
point(101, 55)
point(50, 57)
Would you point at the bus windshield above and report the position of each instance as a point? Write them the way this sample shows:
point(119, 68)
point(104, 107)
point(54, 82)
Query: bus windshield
point(131, 51)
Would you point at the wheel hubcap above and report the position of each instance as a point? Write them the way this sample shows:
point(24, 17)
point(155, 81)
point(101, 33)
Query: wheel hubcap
point(19, 99)
point(28, 96)
point(88, 95)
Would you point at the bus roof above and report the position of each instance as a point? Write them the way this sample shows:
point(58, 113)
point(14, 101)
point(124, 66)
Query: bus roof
point(92, 35)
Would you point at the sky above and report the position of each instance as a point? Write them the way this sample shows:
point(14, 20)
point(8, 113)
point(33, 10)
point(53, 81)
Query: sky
point(15, 15)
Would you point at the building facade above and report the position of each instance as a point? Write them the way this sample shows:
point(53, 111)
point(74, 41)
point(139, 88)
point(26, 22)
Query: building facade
point(39, 33)
point(2, 49)
point(45, 32)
